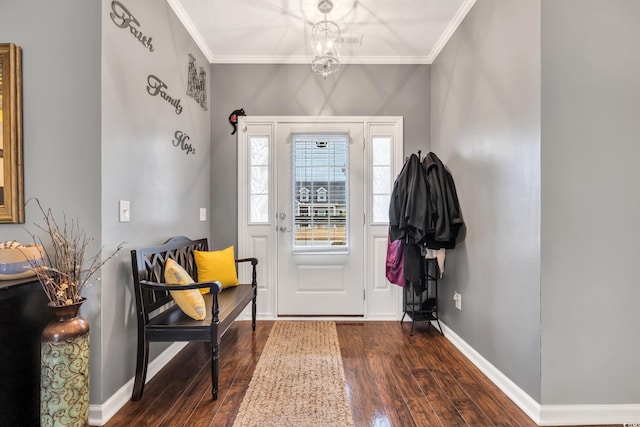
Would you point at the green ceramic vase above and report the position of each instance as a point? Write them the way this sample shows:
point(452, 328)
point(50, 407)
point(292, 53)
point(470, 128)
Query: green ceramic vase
point(64, 381)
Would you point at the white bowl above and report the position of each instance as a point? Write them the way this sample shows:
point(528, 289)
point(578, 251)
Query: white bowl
point(15, 264)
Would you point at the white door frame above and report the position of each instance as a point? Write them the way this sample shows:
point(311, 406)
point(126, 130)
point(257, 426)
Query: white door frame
point(383, 301)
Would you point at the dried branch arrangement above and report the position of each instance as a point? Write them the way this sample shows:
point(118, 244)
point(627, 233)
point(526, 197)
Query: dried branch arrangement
point(64, 273)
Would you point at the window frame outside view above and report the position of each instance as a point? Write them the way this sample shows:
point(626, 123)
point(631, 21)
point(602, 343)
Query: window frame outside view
point(320, 191)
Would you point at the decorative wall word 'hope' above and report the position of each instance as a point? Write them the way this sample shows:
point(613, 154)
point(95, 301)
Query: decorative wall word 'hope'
point(181, 141)
point(155, 86)
point(123, 19)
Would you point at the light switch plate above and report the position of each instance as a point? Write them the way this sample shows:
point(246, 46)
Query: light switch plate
point(203, 214)
point(125, 211)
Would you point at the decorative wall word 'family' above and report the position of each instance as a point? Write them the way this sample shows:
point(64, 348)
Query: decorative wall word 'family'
point(155, 86)
point(197, 83)
point(121, 16)
point(181, 141)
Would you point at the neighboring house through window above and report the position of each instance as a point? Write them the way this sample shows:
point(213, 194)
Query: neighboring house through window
point(304, 195)
point(322, 194)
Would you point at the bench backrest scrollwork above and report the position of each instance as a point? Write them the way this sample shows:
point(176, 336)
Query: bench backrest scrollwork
point(149, 265)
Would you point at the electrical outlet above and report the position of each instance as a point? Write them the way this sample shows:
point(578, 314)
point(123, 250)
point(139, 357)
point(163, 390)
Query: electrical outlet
point(458, 300)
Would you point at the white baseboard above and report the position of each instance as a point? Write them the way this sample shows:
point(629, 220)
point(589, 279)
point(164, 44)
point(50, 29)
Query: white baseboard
point(525, 402)
point(564, 415)
point(100, 414)
point(546, 415)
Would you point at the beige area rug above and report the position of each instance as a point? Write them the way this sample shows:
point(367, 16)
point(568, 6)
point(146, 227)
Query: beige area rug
point(299, 379)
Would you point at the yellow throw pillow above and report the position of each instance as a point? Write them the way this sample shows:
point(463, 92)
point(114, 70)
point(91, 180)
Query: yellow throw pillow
point(217, 265)
point(190, 301)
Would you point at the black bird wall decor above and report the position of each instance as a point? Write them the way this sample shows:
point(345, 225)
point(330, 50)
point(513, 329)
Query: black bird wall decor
point(233, 119)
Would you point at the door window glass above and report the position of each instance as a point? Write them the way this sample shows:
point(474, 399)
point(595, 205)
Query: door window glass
point(320, 191)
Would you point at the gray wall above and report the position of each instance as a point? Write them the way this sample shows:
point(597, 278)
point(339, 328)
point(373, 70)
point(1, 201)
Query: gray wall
point(590, 201)
point(61, 107)
point(486, 128)
point(61, 119)
point(166, 186)
point(294, 90)
point(82, 155)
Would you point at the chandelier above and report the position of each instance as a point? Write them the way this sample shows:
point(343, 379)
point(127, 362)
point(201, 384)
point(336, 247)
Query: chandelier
point(325, 39)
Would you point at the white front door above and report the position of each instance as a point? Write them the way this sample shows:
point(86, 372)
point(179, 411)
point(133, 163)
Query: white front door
point(320, 219)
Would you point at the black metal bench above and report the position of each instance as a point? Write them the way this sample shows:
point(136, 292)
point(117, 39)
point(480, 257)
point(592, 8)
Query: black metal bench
point(171, 324)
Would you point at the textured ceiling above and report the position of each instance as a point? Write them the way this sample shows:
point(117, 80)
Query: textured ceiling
point(278, 31)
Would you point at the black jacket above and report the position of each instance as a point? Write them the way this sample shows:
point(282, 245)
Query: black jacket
point(410, 214)
point(409, 210)
point(442, 230)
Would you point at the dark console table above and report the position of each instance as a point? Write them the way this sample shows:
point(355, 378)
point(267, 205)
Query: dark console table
point(23, 316)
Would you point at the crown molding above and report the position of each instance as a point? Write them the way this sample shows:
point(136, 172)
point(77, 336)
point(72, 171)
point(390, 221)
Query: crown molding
point(303, 59)
point(191, 29)
point(451, 29)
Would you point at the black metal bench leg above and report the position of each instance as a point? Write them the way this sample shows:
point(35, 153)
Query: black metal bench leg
point(214, 370)
point(141, 369)
point(254, 309)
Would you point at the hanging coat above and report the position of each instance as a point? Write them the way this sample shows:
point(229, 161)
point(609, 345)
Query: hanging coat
point(408, 208)
point(409, 214)
point(444, 225)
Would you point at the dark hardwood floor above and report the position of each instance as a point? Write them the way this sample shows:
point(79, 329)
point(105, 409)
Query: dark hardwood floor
point(393, 379)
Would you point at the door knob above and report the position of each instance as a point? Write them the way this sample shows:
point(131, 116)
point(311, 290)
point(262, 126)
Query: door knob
point(283, 215)
point(283, 228)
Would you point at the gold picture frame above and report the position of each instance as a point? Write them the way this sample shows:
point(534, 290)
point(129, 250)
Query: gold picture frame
point(11, 168)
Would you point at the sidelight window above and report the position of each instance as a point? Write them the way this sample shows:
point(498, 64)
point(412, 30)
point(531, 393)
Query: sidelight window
point(259, 179)
point(381, 177)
